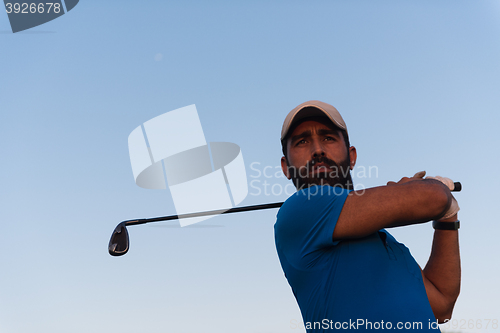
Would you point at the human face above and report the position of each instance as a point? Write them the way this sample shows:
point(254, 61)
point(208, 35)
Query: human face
point(317, 155)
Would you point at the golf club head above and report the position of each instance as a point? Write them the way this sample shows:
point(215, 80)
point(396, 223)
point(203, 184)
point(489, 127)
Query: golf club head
point(119, 242)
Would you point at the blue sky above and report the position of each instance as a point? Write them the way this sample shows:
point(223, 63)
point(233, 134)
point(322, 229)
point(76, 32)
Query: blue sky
point(416, 82)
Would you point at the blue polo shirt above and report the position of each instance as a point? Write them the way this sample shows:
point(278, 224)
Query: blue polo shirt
point(370, 283)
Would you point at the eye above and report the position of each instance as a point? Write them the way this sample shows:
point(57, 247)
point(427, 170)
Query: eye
point(302, 141)
point(330, 138)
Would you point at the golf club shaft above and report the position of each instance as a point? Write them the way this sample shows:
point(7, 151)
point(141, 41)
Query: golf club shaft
point(211, 212)
point(458, 188)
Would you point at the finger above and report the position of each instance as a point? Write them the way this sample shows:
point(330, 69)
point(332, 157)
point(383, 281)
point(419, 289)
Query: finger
point(391, 183)
point(404, 180)
point(419, 174)
point(447, 181)
point(449, 219)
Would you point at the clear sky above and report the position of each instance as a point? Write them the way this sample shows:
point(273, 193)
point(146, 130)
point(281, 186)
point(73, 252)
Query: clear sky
point(417, 83)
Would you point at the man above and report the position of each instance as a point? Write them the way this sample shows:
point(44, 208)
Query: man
point(345, 270)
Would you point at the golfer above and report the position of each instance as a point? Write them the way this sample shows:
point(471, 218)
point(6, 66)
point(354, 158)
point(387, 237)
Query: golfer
point(345, 270)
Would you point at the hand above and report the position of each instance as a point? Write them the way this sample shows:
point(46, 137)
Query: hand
point(418, 175)
point(451, 214)
point(454, 208)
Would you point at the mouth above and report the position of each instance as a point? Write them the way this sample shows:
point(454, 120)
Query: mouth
point(320, 167)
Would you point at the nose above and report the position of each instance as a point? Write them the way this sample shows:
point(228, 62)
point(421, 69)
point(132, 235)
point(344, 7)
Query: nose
point(317, 149)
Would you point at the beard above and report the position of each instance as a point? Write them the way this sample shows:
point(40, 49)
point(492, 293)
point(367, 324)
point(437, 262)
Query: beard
point(336, 175)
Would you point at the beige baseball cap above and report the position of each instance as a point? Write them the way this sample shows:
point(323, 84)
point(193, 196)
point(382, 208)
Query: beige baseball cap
point(311, 109)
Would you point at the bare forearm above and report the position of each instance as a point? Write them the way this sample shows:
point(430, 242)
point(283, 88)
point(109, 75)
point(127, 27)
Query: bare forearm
point(443, 268)
point(411, 202)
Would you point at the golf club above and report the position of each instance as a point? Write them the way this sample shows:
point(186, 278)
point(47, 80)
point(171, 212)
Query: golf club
point(119, 242)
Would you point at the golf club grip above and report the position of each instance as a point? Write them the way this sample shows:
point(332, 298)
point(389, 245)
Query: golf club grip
point(458, 187)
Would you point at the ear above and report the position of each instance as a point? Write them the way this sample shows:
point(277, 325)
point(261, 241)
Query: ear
point(352, 156)
point(284, 167)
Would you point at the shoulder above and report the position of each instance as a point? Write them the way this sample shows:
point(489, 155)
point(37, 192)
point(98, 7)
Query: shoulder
point(312, 197)
point(306, 221)
point(310, 204)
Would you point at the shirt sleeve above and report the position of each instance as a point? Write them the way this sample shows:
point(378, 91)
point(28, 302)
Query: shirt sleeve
point(306, 221)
